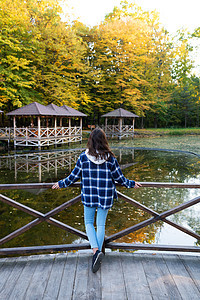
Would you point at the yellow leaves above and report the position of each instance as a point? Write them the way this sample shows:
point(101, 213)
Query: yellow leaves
point(16, 63)
point(17, 103)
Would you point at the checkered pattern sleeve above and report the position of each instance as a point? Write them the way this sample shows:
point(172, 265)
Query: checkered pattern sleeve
point(119, 177)
point(73, 177)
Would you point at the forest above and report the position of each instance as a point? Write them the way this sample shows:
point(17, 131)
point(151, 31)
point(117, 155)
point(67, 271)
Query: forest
point(130, 60)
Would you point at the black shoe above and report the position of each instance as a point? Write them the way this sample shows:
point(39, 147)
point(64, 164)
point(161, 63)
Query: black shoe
point(96, 261)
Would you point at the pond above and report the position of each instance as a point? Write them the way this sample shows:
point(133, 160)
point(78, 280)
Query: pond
point(139, 164)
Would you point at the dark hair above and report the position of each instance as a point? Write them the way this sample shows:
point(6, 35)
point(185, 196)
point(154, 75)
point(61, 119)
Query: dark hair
point(98, 144)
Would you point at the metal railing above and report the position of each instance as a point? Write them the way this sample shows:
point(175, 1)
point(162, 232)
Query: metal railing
point(48, 217)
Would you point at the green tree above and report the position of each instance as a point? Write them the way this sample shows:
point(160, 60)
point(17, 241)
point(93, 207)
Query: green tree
point(16, 79)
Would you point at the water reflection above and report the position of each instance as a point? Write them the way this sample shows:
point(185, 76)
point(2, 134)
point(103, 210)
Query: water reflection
point(41, 163)
point(141, 165)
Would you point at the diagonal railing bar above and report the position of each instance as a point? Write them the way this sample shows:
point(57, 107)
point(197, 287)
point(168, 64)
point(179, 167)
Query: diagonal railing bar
point(42, 217)
point(163, 214)
point(62, 207)
point(37, 221)
point(137, 204)
point(155, 219)
point(19, 231)
point(67, 227)
point(180, 207)
point(36, 213)
point(20, 206)
point(168, 213)
point(130, 229)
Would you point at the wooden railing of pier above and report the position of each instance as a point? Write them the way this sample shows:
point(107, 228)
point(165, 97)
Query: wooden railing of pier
point(48, 217)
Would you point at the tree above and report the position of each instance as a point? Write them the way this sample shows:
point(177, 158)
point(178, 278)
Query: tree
point(16, 79)
point(41, 56)
point(129, 56)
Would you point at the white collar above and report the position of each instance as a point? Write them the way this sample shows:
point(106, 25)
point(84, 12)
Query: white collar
point(97, 161)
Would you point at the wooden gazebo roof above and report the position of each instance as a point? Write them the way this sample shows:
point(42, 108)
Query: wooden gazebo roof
point(33, 109)
point(60, 111)
point(73, 112)
point(37, 109)
point(119, 113)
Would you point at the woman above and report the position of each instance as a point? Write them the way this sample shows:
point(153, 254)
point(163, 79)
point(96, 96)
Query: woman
point(98, 170)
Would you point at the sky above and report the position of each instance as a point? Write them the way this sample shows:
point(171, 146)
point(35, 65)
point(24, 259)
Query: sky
point(174, 14)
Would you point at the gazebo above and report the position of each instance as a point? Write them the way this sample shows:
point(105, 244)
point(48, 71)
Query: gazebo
point(38, 133)
point(121, 129)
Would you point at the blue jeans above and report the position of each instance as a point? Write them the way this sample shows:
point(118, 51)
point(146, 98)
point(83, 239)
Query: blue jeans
point(96, 238)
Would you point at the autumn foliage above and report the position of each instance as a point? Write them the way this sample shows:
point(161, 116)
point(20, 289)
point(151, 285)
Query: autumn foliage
point(128, 61)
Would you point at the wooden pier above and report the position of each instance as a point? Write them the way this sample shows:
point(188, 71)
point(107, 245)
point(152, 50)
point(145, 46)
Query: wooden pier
point(131, 276)
point(123, 275)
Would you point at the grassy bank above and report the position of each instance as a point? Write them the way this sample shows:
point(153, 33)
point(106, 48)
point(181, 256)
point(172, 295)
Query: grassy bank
point(168, 131)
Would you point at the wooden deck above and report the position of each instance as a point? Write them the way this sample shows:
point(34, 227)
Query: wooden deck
point(122, 276)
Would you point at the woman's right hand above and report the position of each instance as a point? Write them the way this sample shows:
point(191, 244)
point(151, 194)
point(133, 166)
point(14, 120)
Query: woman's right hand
point(55, 186)
point(137, 185)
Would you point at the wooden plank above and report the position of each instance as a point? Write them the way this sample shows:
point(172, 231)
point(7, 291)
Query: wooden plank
point(192, 265)
point(68, 277)
point(172, 290)
point(24, 279)
point(134, 277)
point(93, 282)
point(112, 279)
point(181, 277)
point(80, 286)
point(40, 277)
point(17, 267)
point(54, 281)
point(2, 261)
point(5, 271)
point(154, 277)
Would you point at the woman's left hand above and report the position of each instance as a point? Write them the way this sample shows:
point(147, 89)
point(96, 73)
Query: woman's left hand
point(137, 185)
point(55, 186)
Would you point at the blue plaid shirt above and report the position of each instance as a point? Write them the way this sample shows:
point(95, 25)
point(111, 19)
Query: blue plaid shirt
point(97, 181)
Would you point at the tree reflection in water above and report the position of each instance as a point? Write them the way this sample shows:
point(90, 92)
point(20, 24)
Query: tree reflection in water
point(141, 165)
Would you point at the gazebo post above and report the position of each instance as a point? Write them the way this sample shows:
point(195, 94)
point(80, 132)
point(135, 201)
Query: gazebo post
point(39, 135)
point(55, 128)
point(61, 121)
point(70, 124)
point(120, 128)
point(81, 124)
point(133, 126)
point(106, 124)
point(32, 123)
point(14, 127)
